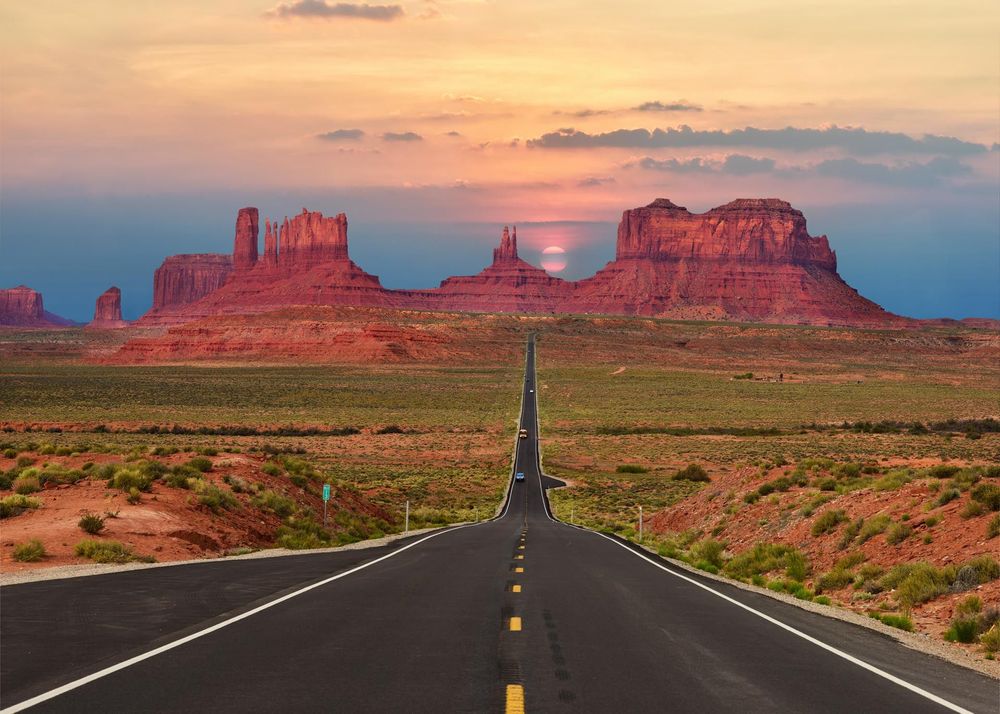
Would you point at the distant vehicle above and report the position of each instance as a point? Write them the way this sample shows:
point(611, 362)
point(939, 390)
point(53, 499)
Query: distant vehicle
point(523, 434)
point(531, 391)
point(519, 476)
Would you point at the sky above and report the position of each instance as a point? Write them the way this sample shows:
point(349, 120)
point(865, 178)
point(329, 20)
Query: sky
point(132, 131)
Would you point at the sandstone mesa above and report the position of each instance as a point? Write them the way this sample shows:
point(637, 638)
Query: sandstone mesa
point(748, 260)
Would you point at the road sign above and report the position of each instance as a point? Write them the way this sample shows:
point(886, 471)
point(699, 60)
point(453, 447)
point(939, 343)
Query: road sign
point(326, 492)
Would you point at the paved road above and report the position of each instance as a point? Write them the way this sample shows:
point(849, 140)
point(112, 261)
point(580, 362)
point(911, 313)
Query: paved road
point(521, 611)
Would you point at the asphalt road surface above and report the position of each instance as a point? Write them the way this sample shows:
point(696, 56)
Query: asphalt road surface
point(522, 613)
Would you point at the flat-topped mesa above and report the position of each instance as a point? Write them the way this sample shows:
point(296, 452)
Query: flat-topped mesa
point(750, 230)
point(245, 242)
point(312, 238)
point(108, 310)
point(23, 307)
point(508, 247)
point(186, 278)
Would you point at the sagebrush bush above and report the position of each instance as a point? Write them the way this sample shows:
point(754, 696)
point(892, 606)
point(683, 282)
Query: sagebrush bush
point(29, 552)
point(281, 506)
point(91, 523)
point(987, 494)
point(631, 469)
point(213, 497)
point(17, 503)
point(898, 532)
point(708, 550)
point(200, 463)
point(271, 469)
point(993, 527)
point(900, 622)
point(828, 521)
point(691, 472)
point(106, 551)
point(873, 527)
point(26, 484)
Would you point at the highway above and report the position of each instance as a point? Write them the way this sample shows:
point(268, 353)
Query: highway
point(521, 613)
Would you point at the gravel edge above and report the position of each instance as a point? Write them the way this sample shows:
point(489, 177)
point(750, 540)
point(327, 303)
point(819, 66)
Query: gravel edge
point(60, 572)
point(921, 642)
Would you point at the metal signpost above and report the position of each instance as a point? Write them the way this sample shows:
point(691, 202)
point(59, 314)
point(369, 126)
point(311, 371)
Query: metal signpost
point(326, 497)
point(406, 526)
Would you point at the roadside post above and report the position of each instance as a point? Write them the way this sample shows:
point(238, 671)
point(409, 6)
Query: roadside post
point(326, 498)
point(406, 523)
point(640, 524)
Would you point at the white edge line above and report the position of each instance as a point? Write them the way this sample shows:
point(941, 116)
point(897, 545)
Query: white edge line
point(76, 683)
point(52, 693)
point(798, 633)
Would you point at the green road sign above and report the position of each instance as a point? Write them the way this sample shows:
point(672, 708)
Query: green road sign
point(326, 492)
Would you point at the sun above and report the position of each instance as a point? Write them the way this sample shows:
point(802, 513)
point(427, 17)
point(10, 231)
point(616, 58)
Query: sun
point(554, 259)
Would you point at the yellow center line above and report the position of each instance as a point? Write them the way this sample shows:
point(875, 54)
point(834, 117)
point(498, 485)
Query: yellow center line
point(516, 589)
point(519, 557)
point(515, 699)
point(520, 547)
point(518, 570)
point(515, 624)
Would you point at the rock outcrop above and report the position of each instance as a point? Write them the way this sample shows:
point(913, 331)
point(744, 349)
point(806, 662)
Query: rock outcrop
point(509, 284)
point(749, 260)
point(23, 307)
point(108, 310)
point(245, 242)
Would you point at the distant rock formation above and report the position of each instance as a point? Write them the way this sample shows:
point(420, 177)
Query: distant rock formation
point(509, 284)
point(23, 307)
point(245, 242)
point(108, 311)
point(749, 260)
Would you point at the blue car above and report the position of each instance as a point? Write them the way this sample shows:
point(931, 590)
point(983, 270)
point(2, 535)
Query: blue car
point(519, 476)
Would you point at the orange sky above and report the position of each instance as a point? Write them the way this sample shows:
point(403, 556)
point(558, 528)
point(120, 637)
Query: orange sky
point(151, 96)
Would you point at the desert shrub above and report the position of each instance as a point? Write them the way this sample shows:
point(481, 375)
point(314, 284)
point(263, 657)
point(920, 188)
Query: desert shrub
point(10, 453)
point(972, 509)
point(200, 463)
point(984, 567)
point(763, 558)
point(631, 469)
point(215, 498)
point(281, 506)
point(947, 496)
point(796, 565)
point(916, 582)
point(302, 532)
point(826, 484)
point(182, 476)
point(238, 484)
point(943, 471)
point(893, 480)
point(691, 472)
point(60, 474)
point(900, 622)
point(29, 552)
point(993, 527)
point(91, 523)
point(872, 527)
point(962, 629)
point(271, 469)
point(128, 478)
point(898, 532)
point(106, 551)
point(709, 551)
point(834, 580)
point(17, 503)
point(208, 451)
point(828, 522)
point(815, 502)
point(990, 640)
point(822, 600)
point(744, 375)
point(987, 494)
point(26, 484)
point(24, 462)
point(851, 532)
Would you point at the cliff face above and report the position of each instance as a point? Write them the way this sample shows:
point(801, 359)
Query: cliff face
point(751, 260)
point(750, 230)
point(108, 310)
point(23, 307)
point(509, 284)
point(245, 242)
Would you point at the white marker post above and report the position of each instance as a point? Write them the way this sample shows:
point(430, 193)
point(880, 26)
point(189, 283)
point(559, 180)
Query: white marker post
point(406, 522)
point(640, 524)
point(326, 498)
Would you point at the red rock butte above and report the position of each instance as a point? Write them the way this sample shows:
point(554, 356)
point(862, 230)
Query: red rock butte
point(108, 311)
point(749, 260)
point(23, 307)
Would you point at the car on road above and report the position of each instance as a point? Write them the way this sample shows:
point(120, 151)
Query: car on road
point(519, 476)
point(531, 391)
point(523, 434)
